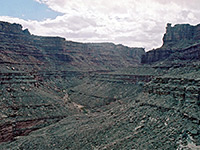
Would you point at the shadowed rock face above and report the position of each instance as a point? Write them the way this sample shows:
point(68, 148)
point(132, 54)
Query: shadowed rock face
point(58, 94)
point(12, 28)
point(180, 36)
point(179, 42)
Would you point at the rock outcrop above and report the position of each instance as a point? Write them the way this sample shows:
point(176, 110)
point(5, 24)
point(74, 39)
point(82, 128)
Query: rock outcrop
point(12, 28)
point(180, 36)
point(179, 42)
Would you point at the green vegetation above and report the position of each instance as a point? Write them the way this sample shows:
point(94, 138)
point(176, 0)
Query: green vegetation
point(57, 94)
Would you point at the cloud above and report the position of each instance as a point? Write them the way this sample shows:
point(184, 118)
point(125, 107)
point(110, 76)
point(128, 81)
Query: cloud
point(129, 22)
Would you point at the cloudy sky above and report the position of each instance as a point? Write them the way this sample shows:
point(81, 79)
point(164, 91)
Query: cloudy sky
point(135, 23)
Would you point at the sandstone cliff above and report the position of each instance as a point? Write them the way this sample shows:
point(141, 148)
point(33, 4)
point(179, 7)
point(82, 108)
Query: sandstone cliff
point(179, 42)
point(19, 47)
point(181, 36)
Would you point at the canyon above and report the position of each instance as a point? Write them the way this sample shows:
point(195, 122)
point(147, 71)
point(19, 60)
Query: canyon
point(58, 94)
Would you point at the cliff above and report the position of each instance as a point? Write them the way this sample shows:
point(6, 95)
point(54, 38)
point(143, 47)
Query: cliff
point(19, 47)
point(179, 42)
point(12, 28)
point(180, 36)
point(37, 72)
point(96, 95)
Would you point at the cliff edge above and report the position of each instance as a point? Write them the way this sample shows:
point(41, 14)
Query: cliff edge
point(181, 41)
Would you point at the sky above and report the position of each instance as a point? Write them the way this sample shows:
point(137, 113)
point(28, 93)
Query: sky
point(134, 23)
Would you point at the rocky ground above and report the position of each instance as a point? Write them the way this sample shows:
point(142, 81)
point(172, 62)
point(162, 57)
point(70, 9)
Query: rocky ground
point(58, 94)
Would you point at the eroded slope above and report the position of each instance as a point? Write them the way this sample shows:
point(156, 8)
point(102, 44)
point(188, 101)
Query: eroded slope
point(78, 96)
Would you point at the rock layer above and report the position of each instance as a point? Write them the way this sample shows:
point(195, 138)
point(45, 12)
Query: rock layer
point(18, 47)
point(180, 36)
point(58, 94)
point(180, 42)
point(36, 73)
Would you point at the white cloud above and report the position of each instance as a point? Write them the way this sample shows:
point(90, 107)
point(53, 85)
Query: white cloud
point(129, 22)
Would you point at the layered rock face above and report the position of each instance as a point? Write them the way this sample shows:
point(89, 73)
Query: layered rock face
point(58, 94)
point(18, 44)
point(178, 41)
point(181, 36)
point(37, 73)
